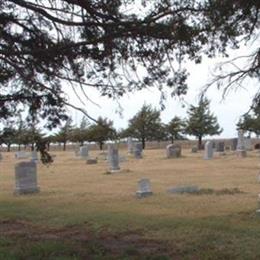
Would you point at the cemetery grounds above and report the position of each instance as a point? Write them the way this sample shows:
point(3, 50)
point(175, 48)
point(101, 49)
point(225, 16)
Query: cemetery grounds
point(82, 212)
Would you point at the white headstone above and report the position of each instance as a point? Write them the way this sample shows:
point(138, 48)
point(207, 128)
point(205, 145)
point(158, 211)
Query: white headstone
point(248, 144)
point(130, 146)
point(208, 153)
point(83, 151)
point(144, 188)
point(34, 156)
point(26, 178)
point(113, 158)
point(22, 155)
point(173, 151)
point(241, 148)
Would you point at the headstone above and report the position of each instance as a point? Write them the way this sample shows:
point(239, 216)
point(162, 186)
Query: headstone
point(234, 144)
point(34, 156)
point(208, 153)
point(113, 158)
point(220, 147)
point(144, 188)
point(83, 151)
point(248, 144)
point(184, 189)
point(130, 145)
point(173, 151)
point(22, 155)
point(194, 149)
point(138, 150)
point(26, 178)
point(241, 149)
point(91, 161)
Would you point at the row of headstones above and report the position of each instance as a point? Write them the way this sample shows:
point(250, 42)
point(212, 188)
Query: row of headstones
point(242, 146)
point(26, 182)
point(26, 172)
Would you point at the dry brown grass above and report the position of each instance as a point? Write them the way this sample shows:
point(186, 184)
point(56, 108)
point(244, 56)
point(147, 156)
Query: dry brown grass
point(69, 181)
point(207, 226)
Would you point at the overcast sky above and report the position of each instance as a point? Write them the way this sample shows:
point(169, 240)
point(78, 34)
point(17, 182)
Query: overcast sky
point(227, 111)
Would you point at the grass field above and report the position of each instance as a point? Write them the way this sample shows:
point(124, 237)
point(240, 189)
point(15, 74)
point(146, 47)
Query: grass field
point(83, 213)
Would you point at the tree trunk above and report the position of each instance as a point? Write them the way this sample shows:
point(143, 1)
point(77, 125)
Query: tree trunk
point(64, 146)
point(200, 143)
point(172, 139)
point(143, 142)
point(32, 147)
point(48, 146)
point(101, 146)
point(19, 147)
point(8, 147)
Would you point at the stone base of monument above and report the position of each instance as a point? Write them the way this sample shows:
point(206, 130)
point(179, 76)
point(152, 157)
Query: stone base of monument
point(184, 189)
point(26, 191)
point(143, 194)
point(114, 170)
point(241, 153)
point(91, 161)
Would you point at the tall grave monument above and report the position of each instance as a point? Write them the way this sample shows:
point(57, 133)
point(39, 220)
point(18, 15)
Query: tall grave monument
point(241, 149)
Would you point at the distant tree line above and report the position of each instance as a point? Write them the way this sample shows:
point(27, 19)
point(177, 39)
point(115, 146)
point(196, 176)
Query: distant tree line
point(145, 125)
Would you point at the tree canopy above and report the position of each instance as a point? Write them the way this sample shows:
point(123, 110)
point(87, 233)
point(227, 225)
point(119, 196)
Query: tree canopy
point(47, 44)
point(146, 125)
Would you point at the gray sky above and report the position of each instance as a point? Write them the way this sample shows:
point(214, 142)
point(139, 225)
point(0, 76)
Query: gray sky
point(227, 111)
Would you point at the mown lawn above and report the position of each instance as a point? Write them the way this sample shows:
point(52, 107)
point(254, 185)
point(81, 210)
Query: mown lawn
point(83, 213)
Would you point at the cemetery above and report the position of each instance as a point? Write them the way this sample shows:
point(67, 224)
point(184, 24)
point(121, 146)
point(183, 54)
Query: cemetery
point(196, 200)
point(129, 130)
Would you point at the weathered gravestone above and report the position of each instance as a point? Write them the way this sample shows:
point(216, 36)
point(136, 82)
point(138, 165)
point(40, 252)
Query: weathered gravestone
point(83, 151)
point(234, 144)
point(130, 145)
point(173, 151)
point(91, 161)
point(184, 189)
point(26, 178)
point(138, 150)
point(113, 158)
point(194, 149)
point(241, 149)
point(248, 144)
point(22, 155)
point(144, 188)
point(220, 147)
point(34, 155)
point(208, 153)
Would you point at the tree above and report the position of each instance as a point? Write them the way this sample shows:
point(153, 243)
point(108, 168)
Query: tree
point(102, 131)
point(201, 121)
point(175, 128)
point(64, 135)
point(250, 122)
point(7, 136)
point(93, 43)
point(145, 125)
point(82, 133)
